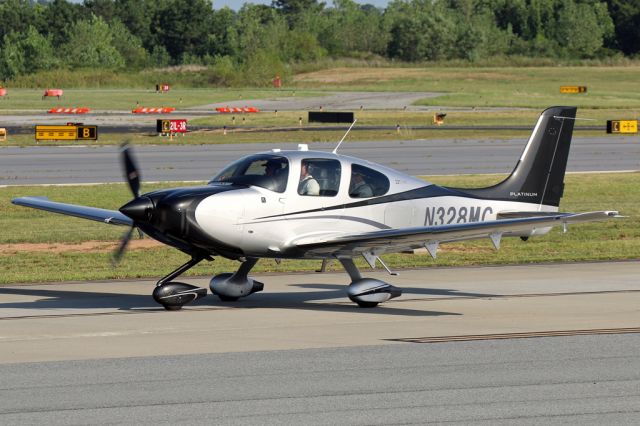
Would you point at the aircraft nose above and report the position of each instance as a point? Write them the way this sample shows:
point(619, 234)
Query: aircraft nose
point(138, 209)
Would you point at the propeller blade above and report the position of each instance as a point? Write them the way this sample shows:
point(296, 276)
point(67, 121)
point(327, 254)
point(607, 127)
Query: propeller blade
point(131, 171)
point(116, 256)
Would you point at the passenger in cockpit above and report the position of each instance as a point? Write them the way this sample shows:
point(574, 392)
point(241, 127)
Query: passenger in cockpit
point(308, 185)
point(359, 188)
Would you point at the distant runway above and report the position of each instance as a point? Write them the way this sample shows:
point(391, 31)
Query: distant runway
point(301, 353)
point(82, 164)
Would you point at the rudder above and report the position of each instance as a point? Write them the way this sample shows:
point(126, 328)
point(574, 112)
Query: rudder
point(539, 174)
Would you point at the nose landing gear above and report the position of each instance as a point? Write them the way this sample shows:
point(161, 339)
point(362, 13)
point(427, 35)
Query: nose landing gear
point(173, 295)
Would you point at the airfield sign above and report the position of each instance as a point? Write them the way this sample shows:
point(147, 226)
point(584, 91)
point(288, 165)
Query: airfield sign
point(69, 132)
point(573, 89)
point(171, 126)
point(622, 126)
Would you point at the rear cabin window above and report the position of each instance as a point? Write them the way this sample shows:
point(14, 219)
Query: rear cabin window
point(366, 182)
point(319, 177)
point(266, 171)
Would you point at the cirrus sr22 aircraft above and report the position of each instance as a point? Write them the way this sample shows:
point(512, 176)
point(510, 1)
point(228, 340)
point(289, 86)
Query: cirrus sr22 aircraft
point(344, 208)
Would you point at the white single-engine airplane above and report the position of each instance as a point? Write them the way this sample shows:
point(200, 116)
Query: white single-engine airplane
point(320, 205)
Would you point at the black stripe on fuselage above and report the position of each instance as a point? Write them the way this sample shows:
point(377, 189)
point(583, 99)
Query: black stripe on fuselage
point(413, 194)
point(336, 217)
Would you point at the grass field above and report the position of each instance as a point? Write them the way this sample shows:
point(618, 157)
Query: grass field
point(529, 87)
point(276, 137)
point(518, 117)
point(613, 93)
point(39, 246)
point(30, 100)
point(616, 87)
point(263, 128)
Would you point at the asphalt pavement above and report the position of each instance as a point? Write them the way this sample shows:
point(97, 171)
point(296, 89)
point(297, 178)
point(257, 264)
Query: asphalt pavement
point(586, 380)
point(89, 164)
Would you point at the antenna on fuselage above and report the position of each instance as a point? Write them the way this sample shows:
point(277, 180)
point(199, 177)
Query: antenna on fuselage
point(345, 135)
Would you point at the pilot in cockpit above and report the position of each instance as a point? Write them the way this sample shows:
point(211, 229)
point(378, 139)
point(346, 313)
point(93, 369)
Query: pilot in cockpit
point(275, 169)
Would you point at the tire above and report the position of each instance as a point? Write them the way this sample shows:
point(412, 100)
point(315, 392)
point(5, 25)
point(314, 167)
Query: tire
point(227, 298)
point(172, 307)
point(367, 304)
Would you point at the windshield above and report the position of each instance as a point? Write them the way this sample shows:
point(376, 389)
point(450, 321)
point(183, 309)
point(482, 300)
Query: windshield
point(263, 170)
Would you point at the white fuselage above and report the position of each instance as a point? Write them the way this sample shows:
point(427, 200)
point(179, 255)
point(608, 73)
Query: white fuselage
point(265, 223)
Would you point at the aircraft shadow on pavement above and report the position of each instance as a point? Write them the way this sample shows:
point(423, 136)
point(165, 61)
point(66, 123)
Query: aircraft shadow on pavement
point(320, 297)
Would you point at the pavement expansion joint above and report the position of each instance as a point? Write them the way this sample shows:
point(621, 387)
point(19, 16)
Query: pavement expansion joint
point(521, 335)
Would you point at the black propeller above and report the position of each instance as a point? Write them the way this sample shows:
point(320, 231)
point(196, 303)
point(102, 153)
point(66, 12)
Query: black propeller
point(116, 256)
point(132, 176)
point(131, 173)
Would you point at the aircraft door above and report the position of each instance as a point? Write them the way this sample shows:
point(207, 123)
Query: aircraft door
point(315, 196)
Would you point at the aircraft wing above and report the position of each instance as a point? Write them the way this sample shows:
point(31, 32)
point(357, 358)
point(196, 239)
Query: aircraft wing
point(397, 240)
point(113, 217)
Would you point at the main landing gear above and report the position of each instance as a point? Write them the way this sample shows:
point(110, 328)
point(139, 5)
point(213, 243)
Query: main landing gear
point(367, 292)
point(228, 287)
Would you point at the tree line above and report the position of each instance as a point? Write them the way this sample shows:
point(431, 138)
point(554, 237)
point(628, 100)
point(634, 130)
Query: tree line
point(258, 41)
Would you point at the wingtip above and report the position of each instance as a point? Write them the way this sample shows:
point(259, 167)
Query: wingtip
point(19, 200)
point(614, 214)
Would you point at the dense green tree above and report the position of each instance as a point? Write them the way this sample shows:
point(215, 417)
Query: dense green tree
point(183, 27)
point(138, 16)
point(351, 28)
point(129, 46)
point(58, 17)
point(626, 18)
point(420, 30)
point(106, 9)
point(159, 57)
point(16, 16)
point(90, 45)
point(297, 6)
point(580, 28)
point(223, 35)
point(262, 40)
point(25, 53)
point(478, 35)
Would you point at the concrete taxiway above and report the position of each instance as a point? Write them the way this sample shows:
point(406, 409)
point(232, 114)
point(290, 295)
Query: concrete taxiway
point(301, 353)
point(300, 311)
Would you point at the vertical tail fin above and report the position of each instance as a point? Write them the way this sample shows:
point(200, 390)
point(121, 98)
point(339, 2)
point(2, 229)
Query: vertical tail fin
point(539, 174)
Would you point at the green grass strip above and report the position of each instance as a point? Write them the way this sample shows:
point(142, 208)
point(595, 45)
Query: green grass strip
point(611, 240)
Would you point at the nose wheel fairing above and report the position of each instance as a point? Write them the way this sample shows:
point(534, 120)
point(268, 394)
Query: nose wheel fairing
point(174, 295)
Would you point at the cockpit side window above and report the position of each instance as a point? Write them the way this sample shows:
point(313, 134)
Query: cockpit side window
point(366, 182)
point(266, 171)
point(319, 177)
